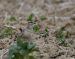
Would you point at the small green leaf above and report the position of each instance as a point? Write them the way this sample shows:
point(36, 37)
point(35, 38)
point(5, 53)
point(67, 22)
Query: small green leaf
point(42, 17)
point(46, 29)
point(6, 32)
point(36, 28)
point(30, 46)
point(61, 36)
point(12, 18)
point(30, 18)
point(31, 57)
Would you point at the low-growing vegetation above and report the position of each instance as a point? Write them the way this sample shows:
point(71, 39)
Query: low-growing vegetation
point(6, 32)
point(43, 18)
point(61, 35)
point(45, 32)
point(36, 28)
point(22, 50)
point(30, 18)
point(12, 18)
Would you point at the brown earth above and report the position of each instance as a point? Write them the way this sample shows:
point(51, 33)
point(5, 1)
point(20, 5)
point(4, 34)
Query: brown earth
point(59, 13)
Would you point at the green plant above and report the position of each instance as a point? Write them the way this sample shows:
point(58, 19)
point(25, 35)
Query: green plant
point(7, 31)
point(36, 28)
point(30, 18)
point(46, 29)
point(61, 36)
point(45, 33)
point(22, 50)
point(12, 18)
point(42, 17)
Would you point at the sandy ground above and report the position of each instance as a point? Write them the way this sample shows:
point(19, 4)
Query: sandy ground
point(59, 13)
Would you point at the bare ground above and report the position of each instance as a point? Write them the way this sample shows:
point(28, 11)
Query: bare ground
point(59, 13)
